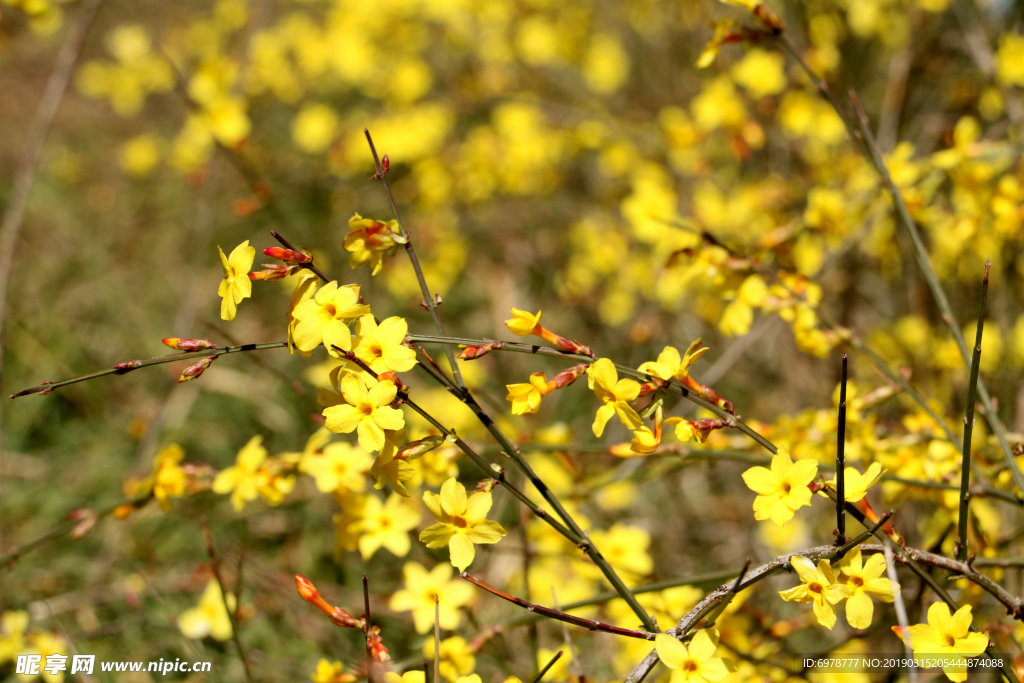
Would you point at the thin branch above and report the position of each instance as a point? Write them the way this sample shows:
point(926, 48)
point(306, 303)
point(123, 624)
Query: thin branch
point(901, 609)
point(215, 565)
point(713, 617)
point(972, 393)
point(841, 463)
point(437, 639)
point(862, 537)
point(588, 624)
point(366, 629)
point(308, 266)
point(128, 366)
point(551, 663)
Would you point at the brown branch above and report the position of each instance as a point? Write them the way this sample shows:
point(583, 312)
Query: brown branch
point(588, 624)
point(215, 565)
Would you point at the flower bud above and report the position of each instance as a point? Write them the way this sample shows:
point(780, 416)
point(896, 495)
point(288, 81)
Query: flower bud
point(86, 518)
point(567, 377)
point(385, 163)
point(196, 369)
point(376, 645)
point(273, 273)
point(474, 352)
point(572, 346)
point(287, 255)
point(416, 449)
point(188, 344)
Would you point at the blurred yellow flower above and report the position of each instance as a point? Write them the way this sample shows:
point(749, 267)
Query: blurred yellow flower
point(761, 72)
point(236, 284)
point(338, 466)
point(209, 617)
point(168, 476)
point(461, 522)
point(368, 241)
point(416, 676)
point(421, 587)
point(140, 155)
point(456, 657)
point(242, 479)
point(326, 672)
point(314, 128)
point(1010, 59)
point(385, 525)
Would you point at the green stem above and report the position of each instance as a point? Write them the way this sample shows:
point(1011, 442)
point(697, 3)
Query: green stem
point(965, 469)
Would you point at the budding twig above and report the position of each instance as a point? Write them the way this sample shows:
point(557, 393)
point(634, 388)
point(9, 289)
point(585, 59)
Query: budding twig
point(972, 393)
point(310, 266)
point(589, 624)
point(841, 463)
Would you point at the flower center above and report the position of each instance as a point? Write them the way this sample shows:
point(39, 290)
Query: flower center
point(331, 310)
point(787, 487)
point(689, 666)
point(857, 581)
point(366, 408)
point(815, 587)
point(459, 521)
point(950, 640)
point(376, 351)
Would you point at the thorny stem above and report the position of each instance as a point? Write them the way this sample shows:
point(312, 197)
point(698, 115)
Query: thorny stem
point(860, 131)
point(841, 463)
point(215, 565)
point(589, 624)
point(972, 394)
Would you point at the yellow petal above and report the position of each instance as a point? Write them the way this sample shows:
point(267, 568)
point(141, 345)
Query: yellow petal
point(453, 497)
point(461, 551)
point(671, 651)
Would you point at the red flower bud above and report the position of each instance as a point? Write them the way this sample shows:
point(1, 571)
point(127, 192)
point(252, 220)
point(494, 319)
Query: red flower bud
point(196, 369)
point(567, 377)
point(385, 163)
point(287, 255)
point(474, 352)
point(188, 344)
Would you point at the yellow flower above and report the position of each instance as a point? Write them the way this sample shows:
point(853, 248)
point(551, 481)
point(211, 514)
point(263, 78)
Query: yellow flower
point(615, 393)
point(241, 480)
point(644, 441)
point(522, 322)
point(782, 489)
point(314, 127)
point(818, 586)
point(456, 657)
point(625, 548)
point(168, 476)
point(385, 525)
point(418, 596)
point(380, 346)
point(669, 365)
point(723, 34)
point(236, 284)
point(324, 318)
point(946, 634)
point(367, 412)
point(694, 664)
point(863, 580)
point(526, 397)
point(461, 522)
point(331, 673)
point(416, 676)
point(471, 678)
point(855, 484)
point(368, 240)
point(387, 469)
point(339, 466)
point(12, 634)
point(209, 617)
point(304, 287)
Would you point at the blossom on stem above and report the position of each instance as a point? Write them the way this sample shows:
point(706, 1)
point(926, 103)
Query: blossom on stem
point(309, 593)
point(694, 664)
point(818, 586)
point(241, 480)
point(324, 318)
point(365, 411)
point(391, 466)
point(865, 582)
point(236, 285)
point(385, 525)
point(782, 489)
point(615, 393)
point(421, 587)
point(670, 365)
point(368, 241)
point(526, 397)
point(381, 346)
point(947, 634)
point(855, 484)
point(461, 522)
point(209, 617)
point(523, 323)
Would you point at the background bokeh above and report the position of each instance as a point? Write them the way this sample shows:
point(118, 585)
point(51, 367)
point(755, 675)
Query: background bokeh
point(565, 156)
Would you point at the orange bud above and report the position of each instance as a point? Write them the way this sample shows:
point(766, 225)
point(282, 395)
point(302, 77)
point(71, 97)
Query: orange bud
point(287, 255)
point(273, 273)
point(570, 345)
point(307, 591)
point(567, 377)
point(196, 369)
point(188, 344)
point(376, 645)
